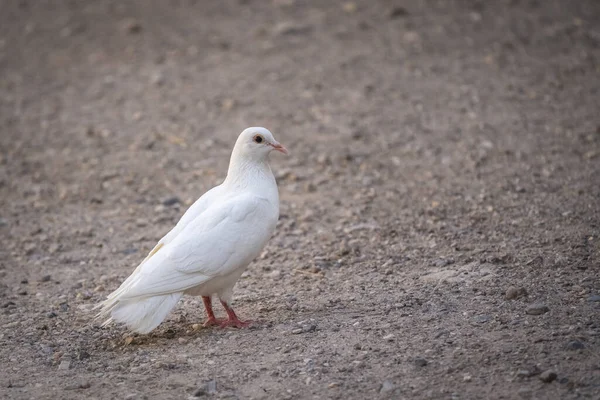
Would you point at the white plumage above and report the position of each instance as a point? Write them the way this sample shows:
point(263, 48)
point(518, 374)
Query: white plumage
point(211, 245)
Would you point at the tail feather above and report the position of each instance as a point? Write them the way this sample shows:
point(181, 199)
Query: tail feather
point(145, 314)
point(140, 314)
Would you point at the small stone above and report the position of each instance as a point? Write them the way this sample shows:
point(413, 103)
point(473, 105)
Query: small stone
point(99, 288)
point(275, 274)
point(171, 201)
point(389, 338)
point(523, 373)
point(129, 251)
point(130, 25)
point(349, 7)
point(51, 314)
point(481, 319)
point(84, 295)
point(45, 278)
point(575, 345)
point(467, 378)
point(387, 387)
point(182, 340)
point(227, 104)
point(398, 12)
point(129, 340)
point(524, 393)
point(64, 365)
point(548, 376)
point(537, 309)
point(290, 28)
point(82, 354)
point(514, 292)
point(211, 387)
point(200, 392)
point(420, 362)
point(157, 78)
point(297, 331)
point(594, 297)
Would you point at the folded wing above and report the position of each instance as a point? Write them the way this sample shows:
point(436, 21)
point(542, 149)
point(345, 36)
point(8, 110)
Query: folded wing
point(216, 243)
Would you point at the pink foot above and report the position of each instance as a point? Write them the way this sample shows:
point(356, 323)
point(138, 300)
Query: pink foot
point(232, 319)
point(212, 322)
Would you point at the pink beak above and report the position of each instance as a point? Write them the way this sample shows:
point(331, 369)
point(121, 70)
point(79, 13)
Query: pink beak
point(280, 148)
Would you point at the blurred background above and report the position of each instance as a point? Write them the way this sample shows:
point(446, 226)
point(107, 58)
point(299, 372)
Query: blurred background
point(439, 230)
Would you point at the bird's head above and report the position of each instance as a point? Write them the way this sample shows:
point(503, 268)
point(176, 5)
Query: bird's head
point(257, 143)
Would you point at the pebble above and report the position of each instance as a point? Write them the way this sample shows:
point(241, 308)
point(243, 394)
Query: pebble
point(387, 387)
point(64, 365)
point(481, 319)
point(389, 338)
point(211, 387)
point(594, 297)
point(157, 79)
point(130, 25)
point(82, 354)
point(171, 201)
point(420, 362)
point(575, 345)
point(528, 371)
point(275, 274)
point(398, 12)
point(523, 373)
point(45, 278)
point(525, 393)
point(548, 376)
point(537, 309)
point(290, 28)
point(514, 292)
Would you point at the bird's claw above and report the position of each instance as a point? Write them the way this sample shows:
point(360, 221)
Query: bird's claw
point(212, 322)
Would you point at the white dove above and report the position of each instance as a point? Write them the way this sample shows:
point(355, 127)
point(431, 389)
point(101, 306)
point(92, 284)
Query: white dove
point(211, 245)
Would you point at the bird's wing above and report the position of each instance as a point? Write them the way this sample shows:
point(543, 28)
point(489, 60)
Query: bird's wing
point(218, 241)
point(199, 206)
point(195, 210)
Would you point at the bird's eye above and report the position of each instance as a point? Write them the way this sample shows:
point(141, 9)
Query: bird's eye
point(258, 139)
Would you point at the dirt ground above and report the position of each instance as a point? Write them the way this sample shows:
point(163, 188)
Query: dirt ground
point(439, 234)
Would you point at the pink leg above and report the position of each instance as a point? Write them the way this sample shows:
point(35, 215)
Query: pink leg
point(233, 319)
point(211, 320)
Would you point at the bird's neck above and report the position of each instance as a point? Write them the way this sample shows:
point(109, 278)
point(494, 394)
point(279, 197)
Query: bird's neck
point(244, 173)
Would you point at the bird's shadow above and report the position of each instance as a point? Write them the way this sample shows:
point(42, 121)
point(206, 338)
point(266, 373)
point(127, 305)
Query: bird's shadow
point(121, 339)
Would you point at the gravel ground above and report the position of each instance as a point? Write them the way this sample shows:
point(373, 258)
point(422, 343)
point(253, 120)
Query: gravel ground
point(440, 211)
